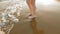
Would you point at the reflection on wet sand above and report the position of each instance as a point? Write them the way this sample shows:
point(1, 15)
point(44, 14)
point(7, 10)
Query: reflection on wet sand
point(34, 27)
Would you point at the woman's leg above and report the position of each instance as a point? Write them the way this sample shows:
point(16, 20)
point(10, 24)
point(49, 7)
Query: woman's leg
point(32, 7)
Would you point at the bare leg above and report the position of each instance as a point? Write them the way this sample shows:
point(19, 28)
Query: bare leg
point(32, 7)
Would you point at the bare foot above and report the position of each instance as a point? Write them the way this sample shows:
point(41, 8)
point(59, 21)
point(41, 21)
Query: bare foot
point(32, 16)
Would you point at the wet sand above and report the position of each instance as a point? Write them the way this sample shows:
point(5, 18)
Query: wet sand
point(46, 22)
